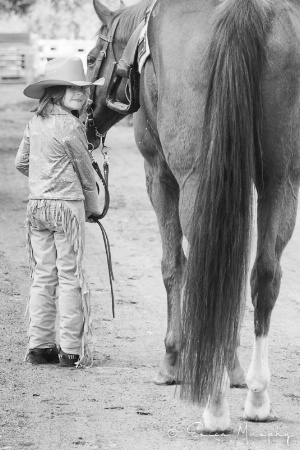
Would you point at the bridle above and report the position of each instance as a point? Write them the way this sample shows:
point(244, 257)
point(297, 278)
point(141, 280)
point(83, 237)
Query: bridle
point(108, 44)
point(90, 123)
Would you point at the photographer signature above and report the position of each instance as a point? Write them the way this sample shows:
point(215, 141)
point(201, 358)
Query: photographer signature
point(243, 432)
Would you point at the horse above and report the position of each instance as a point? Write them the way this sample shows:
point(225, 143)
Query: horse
point(218, 119)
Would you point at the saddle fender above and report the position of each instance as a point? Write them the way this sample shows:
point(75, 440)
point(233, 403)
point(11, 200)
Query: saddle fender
point(127, 68)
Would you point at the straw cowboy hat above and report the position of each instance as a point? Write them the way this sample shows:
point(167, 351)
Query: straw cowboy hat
point(59, 72)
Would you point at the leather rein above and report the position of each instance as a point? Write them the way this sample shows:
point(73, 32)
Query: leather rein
point(90, 123)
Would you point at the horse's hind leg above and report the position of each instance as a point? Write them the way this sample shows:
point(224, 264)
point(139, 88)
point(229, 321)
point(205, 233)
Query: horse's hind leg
point(277, 207)
point(236, 372)
point(164, 193)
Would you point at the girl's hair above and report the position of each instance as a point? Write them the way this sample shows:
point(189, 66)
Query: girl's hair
point(53, 95)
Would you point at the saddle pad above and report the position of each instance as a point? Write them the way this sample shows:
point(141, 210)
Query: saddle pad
point(143, 48)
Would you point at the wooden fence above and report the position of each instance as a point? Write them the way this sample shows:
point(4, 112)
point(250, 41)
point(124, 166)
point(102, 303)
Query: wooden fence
point(16, 59)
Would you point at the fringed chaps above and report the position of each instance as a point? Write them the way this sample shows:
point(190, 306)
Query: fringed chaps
point(62, 215)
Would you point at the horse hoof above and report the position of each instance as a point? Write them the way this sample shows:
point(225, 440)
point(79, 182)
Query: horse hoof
point(215, 432)
point(162, 379)
point(216, 419)
point(168, 370)
point(238, 385)
point(270, 417)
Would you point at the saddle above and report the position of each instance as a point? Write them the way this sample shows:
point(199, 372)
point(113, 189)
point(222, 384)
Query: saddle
point(128, 68)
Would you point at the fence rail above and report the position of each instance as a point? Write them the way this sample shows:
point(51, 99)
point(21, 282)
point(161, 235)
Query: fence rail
point(16, 61)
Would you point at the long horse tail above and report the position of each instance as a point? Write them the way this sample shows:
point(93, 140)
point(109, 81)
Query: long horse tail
point(220, 234)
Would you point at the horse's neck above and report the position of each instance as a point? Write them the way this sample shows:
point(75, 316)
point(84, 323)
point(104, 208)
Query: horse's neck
point(131, 17)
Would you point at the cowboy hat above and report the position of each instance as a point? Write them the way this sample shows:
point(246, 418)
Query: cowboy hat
point(59, 72)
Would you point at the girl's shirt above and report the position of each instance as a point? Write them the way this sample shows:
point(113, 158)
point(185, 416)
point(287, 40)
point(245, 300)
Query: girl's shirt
point(53, 154)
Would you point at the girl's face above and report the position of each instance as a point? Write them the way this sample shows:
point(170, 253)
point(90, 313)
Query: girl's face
point(74, 98)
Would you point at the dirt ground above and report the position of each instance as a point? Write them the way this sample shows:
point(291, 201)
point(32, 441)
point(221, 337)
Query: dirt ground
point(115, 404)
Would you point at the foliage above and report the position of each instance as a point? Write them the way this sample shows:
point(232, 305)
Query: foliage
point(50, 19)
point(16, 6)
point(63, 19)
point(22, 6)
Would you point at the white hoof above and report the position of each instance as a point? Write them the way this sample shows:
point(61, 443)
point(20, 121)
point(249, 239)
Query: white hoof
point(258, 407)
point(168, 371)
point(163, 379)
point(217, 423)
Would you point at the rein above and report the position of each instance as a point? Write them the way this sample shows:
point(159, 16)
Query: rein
point(100, 138)
point(96, 219)
point(90, 123)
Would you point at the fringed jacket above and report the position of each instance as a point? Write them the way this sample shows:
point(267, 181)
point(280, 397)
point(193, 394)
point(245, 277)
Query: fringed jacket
point(53, 154)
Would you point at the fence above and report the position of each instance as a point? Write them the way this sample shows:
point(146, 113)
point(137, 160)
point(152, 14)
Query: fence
point(47, 49)
point(23, 56)
point(16, 58)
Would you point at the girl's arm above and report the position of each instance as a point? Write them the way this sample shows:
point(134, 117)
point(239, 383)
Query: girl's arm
point(80, 158)
point(22, 158)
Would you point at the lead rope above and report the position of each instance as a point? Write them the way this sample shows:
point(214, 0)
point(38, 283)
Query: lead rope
point(96, 219)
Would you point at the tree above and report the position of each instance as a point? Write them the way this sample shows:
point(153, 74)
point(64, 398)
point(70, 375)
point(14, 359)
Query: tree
point(17, 6)
point(51, 19)
point(22, 6)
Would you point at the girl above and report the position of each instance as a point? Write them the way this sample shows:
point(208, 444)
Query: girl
point(62, 194)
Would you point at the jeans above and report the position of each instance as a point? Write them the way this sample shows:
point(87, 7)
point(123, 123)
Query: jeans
point(56, 243)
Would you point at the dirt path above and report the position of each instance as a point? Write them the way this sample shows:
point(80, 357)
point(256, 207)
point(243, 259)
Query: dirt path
point(115, 405)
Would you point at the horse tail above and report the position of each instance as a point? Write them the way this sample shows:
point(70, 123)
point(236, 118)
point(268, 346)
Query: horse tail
point(220, 234)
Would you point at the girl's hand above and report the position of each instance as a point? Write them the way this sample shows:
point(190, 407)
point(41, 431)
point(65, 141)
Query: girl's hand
point(91, 217)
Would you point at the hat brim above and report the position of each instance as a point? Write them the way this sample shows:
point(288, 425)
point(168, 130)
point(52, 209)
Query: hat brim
point(36, 90)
